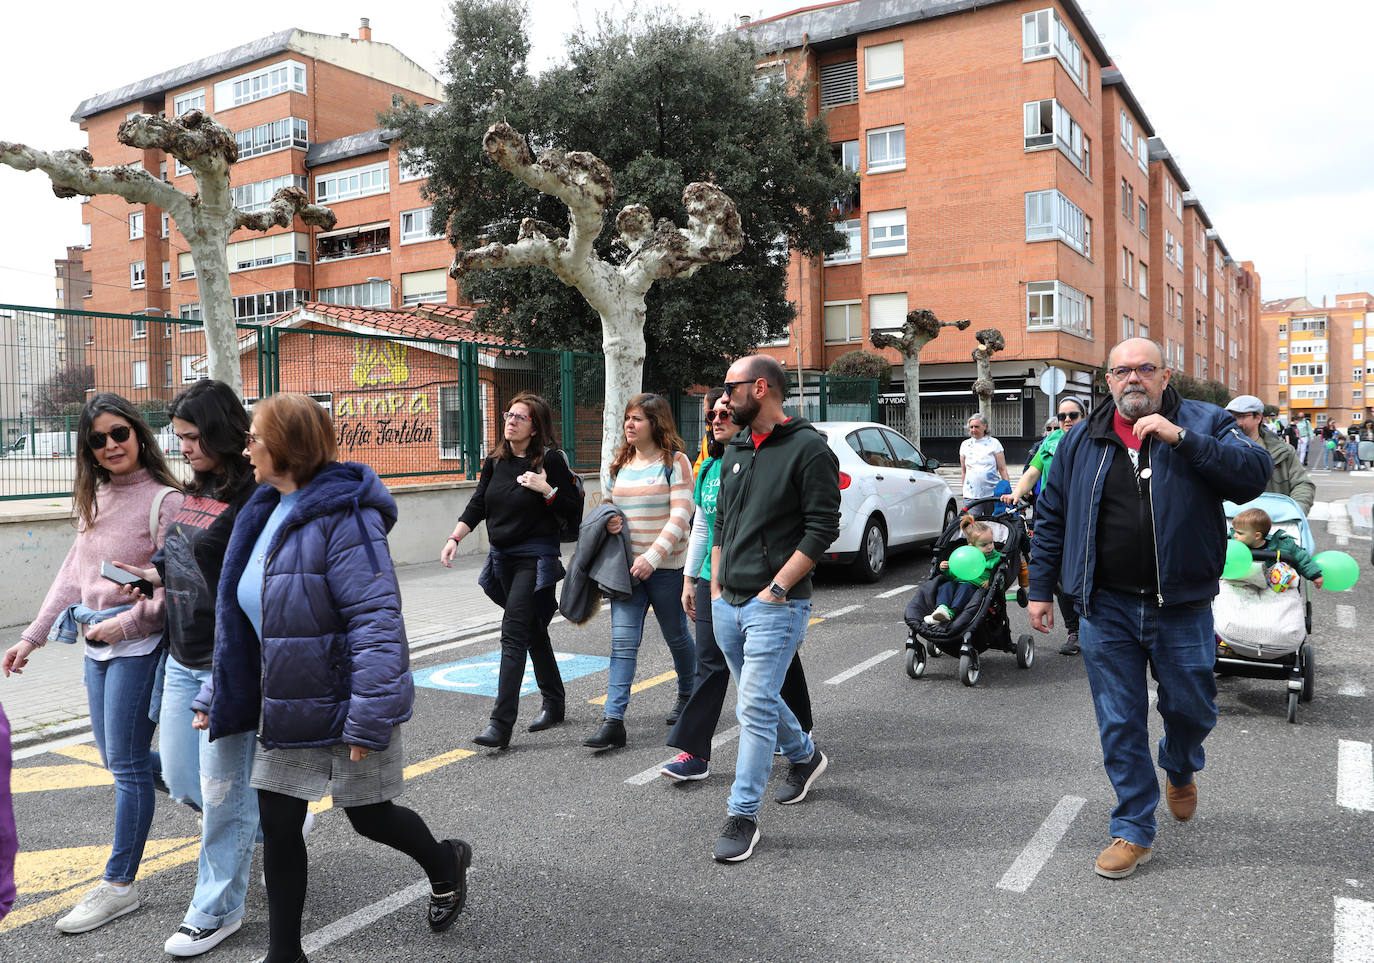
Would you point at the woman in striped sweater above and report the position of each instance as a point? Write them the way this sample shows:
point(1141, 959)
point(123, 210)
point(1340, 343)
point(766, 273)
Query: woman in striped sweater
point(651, 482)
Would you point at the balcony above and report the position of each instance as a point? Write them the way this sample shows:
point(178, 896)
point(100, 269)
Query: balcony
point(351, 242)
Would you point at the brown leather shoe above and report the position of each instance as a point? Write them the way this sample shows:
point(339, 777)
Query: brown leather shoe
point(1121, 858)
point(1182, 802)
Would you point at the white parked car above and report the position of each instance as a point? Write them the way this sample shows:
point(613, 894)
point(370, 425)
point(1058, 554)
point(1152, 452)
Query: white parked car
point(890, 496)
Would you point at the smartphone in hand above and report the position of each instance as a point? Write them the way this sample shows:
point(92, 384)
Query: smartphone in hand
point(113, 573)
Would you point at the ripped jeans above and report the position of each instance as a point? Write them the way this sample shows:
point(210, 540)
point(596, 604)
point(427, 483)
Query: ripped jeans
point(214, 776)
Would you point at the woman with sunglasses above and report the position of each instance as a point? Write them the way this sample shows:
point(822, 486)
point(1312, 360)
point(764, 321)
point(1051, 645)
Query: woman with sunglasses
point(525, 491)
point(651, 482)
point(1071, 413)
point(124, 499)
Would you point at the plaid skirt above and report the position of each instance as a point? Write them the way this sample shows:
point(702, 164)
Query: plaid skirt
point(310, 773)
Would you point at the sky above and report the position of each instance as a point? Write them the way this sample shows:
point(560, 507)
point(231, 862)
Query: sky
point(1260, 103)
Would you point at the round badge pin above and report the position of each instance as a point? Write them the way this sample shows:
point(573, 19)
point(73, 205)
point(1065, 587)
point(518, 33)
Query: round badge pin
point(734, 470)
point(1146, 472)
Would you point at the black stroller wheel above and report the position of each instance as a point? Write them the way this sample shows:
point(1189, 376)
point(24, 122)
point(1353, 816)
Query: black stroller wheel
point(1309, 672)
point(1025, 652)
point(1293, 705)
point(968, 670)
point(916, 661)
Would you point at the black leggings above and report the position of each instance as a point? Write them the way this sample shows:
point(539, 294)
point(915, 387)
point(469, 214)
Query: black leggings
point(283, 857)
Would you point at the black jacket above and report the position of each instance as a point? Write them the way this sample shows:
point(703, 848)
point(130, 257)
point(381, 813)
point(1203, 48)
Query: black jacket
point(515, 514)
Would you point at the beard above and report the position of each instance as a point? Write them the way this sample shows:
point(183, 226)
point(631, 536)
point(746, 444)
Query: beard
point(744, 413)
point(1134, 403)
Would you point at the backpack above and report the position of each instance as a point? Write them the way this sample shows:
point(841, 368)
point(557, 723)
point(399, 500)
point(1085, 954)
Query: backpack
point(567, 527)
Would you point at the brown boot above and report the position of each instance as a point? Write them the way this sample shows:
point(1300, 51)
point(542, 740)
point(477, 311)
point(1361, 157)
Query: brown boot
point(1121, 858)
point(1182, 801)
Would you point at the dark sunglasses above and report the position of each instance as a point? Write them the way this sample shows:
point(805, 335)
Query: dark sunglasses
point(713, 416)
point(98, 439)
point(730, 386)
point(1071, 415)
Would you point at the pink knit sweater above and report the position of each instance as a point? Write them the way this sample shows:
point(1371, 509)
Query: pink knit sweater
point(120, 534)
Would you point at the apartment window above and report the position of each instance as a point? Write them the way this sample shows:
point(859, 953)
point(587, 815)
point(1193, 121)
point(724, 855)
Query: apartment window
point(412, 165)
point(1127, 199)
point(853, 248)
point(182, 170)
point(1142, 153)
point(191, 100)
point(1221, 339)
point(140, 374)
point(886, 312)
point(416, 226)
point(274, 136)
point(844, 322)
point(1168, 193)
point(188, 371)
point(1128, 329)
point(1043, 35)
point(1143, 278)
point(840, 83)
point(186, 266)
point(264, 82)
point(166, 224)
point(887, 233)
point(883, 66)
point(1127, 132)
point(166, 274)
point(1087, 237)
point(1051, 215)
point(887, 149)
point(1087, 157)
point(139, 328)
point(1178, 203)
point(86, 235)
point(252, 308)
point(360, 241)
point(354, 182)
point(1143, 210)
point(1054, 305)
point(1283, 377)
point(373, 294)
point(256, 196)
point(135, 226)
point(138, 275)
point(1127, 267)
point(167, 373)
point(1048, 124)
point(190, 312)
point(421, 286)
point(1307, 324)
point(265, 251)
point(847, 154)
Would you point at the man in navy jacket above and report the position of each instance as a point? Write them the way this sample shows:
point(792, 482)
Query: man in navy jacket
point(1131, 522)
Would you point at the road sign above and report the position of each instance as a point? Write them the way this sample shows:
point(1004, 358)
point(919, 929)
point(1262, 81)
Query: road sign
point(1053, 381)
point(478, 673)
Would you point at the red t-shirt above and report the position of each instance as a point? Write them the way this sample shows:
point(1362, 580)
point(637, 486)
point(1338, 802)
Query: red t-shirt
point(1124, 432)
point(760, 439)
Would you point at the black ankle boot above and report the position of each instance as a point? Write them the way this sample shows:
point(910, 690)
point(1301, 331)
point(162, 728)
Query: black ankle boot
point(492, 738)
point(676, 712)
point(611, 735)
point(547, 719)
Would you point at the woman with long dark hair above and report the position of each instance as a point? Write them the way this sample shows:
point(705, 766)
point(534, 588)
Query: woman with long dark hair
point(651, 482)
point(311, 653)
point(526, 488)
point(210, 423)
point(124, 499)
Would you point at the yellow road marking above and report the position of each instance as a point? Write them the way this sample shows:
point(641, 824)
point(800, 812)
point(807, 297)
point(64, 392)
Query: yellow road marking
point(83, 753)
point(639, 686)
point(40, 778)
point(815, 621)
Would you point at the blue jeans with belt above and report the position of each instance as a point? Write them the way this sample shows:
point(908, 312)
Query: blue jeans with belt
point(1121, 636)
point(662, 590)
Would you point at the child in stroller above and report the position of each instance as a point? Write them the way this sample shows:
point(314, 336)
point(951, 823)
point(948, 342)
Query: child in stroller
point(1254, 528)
point(980, 623)
point(953, 592)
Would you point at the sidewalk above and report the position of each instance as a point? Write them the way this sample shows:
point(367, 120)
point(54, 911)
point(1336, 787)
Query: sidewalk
point(49, 699)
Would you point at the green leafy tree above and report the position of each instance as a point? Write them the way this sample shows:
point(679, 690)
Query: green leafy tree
point(862, 364)
point(663, 101)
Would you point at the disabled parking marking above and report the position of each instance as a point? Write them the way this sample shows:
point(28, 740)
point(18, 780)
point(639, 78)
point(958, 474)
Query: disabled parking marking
point(478, 674)
point(1345, 616)
point(866, 664)
point(897, 591)
point(1354, 931)
point(638, 686)
point(1355, 775)
point(1041, 847)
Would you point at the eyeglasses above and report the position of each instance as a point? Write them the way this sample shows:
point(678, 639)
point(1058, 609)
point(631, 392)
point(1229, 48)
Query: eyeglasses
point(98, 439)
point(1121, 372)
point(730, 386)
point(713, 416)
point(1072, 415)
point(516, 417)
point(250, 439)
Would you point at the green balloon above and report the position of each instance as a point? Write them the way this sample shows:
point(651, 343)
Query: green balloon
point(1238, 560)
point(966, 563)
point(1339, 570)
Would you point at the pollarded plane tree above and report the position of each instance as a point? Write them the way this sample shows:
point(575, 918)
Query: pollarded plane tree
point(919, 329)
point(206, 218)
point(616, 291)
point(990, 341)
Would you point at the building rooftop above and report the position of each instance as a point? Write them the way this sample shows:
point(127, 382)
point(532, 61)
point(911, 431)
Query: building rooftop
point(1190, 200)
point(824, 24)
point(1279, 305)
point(1158, 152)
point(1111, 77)
point(350, 145)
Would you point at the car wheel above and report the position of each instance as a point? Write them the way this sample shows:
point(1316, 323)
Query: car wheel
point(951, 513)
point(871, 561)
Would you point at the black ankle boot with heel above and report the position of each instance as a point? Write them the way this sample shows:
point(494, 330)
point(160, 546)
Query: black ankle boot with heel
point(611, 735)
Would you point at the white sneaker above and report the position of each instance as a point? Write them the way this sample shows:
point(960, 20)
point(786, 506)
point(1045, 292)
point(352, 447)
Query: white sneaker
point(100, 905)
point(308, 825)
point(191, 941)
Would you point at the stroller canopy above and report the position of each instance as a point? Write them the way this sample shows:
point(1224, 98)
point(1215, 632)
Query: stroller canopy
point(1282, 510)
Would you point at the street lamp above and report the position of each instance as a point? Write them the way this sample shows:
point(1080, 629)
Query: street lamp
point(387, 282)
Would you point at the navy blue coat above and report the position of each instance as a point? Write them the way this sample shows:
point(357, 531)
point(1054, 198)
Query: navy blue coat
point(1215, 461)
point(333, 665)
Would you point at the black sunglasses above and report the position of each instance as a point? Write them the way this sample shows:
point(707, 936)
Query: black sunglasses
point(98, 439)
point(1071, 415)
point(730, 386)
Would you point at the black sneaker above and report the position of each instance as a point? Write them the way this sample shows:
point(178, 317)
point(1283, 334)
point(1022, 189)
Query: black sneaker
point(799, 779)
point(737, 840)
point(1070, 646)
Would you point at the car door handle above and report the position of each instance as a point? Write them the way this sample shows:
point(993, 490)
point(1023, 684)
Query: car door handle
point(878, 477)
point(911, 478)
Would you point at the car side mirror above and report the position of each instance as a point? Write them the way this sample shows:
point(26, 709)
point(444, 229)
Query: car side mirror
point(932, 464)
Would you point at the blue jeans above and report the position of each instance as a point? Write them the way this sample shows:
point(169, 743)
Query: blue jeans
point(1327, 457)
point(119, 692)
point(662, 590)
point(215, 777)
point(758, 640)
point(1121, 635)
point(954, 594)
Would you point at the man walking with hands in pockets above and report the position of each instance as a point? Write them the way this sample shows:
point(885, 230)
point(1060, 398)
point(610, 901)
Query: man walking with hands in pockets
point(1131, 522)
point(778, 510)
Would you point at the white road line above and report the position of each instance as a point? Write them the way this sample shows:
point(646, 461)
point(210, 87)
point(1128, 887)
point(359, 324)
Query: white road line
point(355, 921)
point(42, 747)
point(1320, 511)
point(650, 774)
point(865, 664)
point(1345, 616)
point(1351, 687)
point(1355, 775)
point(1354, 936)
point(484, 637)
point(1038, 851)
point(844, 611)
point(891, 592)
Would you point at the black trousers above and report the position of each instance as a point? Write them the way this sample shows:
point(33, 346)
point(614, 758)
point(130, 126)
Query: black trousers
point(1067, 610)
point(697, 724)
point(525, 631)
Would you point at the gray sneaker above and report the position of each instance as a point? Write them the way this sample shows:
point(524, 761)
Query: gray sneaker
point(737, 840)
point(98, 907)
point(799, 779)
point(1070, 646)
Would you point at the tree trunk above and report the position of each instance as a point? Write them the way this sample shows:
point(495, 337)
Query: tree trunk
point(217, 305)
point(622, 340)
point(911, 376)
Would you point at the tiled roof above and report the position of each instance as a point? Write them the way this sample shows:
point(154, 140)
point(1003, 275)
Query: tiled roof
point(440, 322)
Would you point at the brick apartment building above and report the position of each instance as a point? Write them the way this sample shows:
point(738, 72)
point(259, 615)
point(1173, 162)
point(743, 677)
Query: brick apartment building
point(1317, 359)
point(1008, 175)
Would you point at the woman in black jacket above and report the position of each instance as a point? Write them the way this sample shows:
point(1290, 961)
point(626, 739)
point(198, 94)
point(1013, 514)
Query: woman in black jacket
point(525, 490)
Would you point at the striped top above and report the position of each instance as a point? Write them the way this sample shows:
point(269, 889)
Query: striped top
point(660, 515)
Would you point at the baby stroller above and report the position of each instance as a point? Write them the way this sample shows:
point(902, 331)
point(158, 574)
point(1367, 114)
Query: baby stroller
point(1262, 634)
point(982, 624)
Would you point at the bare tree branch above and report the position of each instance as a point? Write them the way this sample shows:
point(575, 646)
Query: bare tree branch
point(195, 138)
point(71, 174)
point(286, 205)
point(713, 233)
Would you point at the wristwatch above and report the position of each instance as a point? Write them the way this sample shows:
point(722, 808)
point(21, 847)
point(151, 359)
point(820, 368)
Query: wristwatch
point(1182, 434)
point(777, 591)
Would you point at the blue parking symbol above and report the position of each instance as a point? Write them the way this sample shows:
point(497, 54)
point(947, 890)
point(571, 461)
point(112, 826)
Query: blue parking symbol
point(477, 674)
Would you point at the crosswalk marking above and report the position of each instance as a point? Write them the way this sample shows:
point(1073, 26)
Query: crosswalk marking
point(866, 664)
point(1354, 931)
point(650, 774)
point(1027, 866)
point(1345, 616)
point(1355, 775)
point(844, 611)
point(897, 591)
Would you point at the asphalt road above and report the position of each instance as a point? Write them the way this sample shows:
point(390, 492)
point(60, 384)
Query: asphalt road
point(952, 824)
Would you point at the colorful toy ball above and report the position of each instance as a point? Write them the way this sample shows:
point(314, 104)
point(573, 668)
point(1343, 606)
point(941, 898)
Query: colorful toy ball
point(1282, 577)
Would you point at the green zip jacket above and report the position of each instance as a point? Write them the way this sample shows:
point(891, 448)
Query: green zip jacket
point(780, 498)
point(1290, 477)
